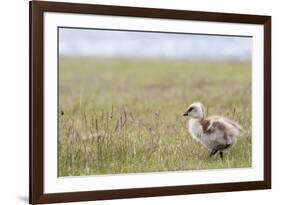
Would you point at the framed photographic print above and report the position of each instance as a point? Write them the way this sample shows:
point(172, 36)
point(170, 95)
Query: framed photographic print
point(139, 102)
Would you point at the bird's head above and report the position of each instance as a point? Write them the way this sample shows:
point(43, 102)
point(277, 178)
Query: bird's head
point(195, 110)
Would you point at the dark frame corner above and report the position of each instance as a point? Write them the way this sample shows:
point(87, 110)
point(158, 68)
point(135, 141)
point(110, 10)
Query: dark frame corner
point(36, 10)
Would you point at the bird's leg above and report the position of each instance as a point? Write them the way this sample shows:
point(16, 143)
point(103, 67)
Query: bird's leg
point(213, 152)
point(221, 155)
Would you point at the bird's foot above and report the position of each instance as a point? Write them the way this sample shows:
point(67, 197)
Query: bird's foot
point(213, 152)
point(221, 155)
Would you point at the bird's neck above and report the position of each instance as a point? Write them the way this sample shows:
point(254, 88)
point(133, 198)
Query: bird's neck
point(199, 119)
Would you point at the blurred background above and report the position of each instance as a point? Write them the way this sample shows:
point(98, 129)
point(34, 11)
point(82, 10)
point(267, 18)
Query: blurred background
point(124, 44)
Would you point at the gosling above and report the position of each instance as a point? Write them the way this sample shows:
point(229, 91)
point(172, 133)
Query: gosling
point(216, 133)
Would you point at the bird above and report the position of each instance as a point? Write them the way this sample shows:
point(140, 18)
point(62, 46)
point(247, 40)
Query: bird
point(216, 133)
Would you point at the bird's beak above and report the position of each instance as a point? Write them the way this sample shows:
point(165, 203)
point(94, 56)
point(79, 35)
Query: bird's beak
point(185, 114)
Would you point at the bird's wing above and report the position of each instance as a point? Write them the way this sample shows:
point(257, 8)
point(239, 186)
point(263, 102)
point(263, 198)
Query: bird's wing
point(218, 131)
point(226, 123)
point(212, 124)
point(234, 124)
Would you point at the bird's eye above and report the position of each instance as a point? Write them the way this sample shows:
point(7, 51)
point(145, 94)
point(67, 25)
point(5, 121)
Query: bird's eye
point(190, 109)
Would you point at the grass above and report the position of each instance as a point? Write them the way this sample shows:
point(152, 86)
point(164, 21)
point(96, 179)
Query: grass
point(125, 116)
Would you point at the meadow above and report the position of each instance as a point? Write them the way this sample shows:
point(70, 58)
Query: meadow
point(125, 115)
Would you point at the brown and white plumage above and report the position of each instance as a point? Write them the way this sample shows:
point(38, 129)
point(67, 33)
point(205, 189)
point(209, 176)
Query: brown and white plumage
point(216, 133)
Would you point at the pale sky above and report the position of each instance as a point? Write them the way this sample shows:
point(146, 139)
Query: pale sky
point(128, 44)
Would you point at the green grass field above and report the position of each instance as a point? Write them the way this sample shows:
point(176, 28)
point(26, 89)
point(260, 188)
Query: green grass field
point(125, 116)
